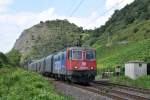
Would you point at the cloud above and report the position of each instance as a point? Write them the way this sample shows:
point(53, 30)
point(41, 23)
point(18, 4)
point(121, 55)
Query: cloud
point(4, 5)
point(118, 3)
point(90, 22)
point(27, 19)
point(8, 35)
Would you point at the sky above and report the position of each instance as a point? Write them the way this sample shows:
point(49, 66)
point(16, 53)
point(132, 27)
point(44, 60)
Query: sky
point(18, 15)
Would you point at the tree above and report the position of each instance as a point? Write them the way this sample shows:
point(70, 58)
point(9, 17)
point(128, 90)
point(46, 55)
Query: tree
point(14, 56)
point(4, 60)
point(130, 20)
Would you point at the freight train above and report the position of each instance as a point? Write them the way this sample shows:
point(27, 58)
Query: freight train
point(75, 64)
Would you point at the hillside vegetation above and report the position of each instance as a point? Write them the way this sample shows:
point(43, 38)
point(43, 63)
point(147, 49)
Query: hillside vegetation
point(14, 57)
point(121, 52)
point(124, 37)
point(4, 61)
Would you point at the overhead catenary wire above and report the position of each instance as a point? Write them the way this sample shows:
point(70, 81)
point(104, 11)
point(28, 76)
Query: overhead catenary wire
point(76, 8)
point(91, 21)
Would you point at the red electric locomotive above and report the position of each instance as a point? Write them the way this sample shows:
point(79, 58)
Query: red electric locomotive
point(81, 64)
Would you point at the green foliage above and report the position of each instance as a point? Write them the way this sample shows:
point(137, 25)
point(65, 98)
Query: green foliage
point(130, 20)
point(14, 57)
point(136, 83)
point(16, 84)
point(4, 60)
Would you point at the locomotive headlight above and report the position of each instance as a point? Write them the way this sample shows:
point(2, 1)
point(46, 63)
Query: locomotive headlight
point(92, 68)
point(75, 67)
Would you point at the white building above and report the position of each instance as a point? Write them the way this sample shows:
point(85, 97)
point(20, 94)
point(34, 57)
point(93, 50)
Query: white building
point(135, 69)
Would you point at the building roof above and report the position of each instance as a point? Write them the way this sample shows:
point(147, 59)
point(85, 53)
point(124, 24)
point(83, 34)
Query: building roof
point(136, 61)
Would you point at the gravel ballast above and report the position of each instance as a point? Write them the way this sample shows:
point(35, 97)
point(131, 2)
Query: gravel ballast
point(77, 93)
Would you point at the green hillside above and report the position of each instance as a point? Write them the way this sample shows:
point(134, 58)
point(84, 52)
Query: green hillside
point(119, 54)
point(124, 37)
point(125, 46)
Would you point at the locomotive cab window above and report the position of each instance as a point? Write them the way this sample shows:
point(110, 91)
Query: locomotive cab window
point(76, 55)
point(90, 55)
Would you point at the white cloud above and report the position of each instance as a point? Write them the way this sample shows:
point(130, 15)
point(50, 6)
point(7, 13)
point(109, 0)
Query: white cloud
point(8, 35)
point(27, 19)
point(4, 5)
point(117, 3)
point(91, 22)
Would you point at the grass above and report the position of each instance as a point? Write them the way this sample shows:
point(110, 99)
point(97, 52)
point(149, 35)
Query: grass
point(17, 84)
point(141, 82)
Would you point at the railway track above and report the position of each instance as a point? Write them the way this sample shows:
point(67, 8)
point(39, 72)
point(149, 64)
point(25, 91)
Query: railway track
point(126, 92)
point(100, 92)
point(129, 88)
point(113, 91)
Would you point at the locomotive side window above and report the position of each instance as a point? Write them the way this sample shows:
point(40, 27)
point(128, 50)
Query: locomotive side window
point(77, 55)
point(63, 56)
point(90, 55)
point(70, 54)
point(58, 58)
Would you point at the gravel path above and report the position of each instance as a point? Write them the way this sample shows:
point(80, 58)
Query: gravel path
point(77, 93)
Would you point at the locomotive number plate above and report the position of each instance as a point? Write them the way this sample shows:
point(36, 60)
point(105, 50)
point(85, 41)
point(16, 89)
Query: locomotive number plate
point(83, 67)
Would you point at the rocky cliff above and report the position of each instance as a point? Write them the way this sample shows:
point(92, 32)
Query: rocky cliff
point(47, 37)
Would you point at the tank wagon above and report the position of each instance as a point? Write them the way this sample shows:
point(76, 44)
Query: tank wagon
point(76, 64)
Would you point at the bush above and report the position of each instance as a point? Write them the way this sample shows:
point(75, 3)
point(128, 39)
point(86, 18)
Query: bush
point(135, 30)
point(4, 61)
point(130, 20)
point(14, 56)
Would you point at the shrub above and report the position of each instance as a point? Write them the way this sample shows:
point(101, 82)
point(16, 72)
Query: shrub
point(14, 56)
point(135, 30)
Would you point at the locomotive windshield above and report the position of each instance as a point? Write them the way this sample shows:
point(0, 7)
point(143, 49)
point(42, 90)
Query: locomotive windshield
point(90, 55)
point(77, 55)
point(82, 54)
